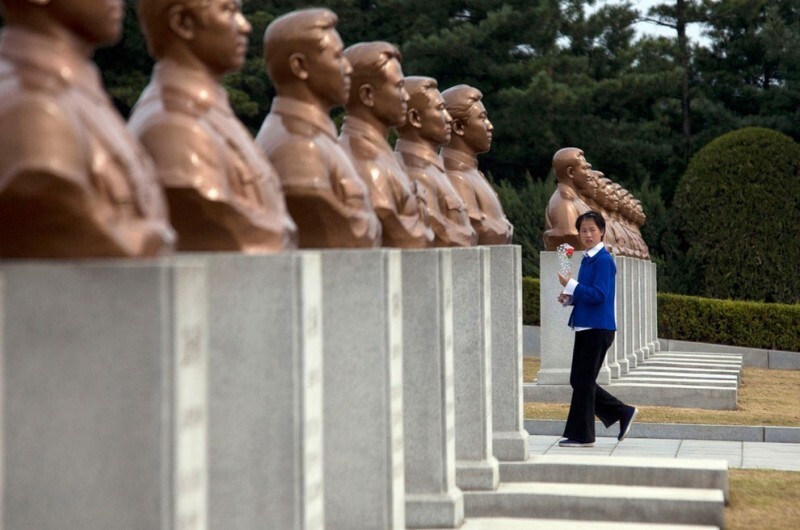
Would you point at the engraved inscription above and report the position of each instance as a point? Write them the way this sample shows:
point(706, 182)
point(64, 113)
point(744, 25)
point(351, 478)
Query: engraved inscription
point(192, 351)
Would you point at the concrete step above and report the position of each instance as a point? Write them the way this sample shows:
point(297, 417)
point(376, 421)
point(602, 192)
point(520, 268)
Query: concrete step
point(598, 502)
point(637, 378)
point(683, 395)
point(690, 364)
point(621, 471)
point(685, 375)
point(502, 523)
point(700, 355)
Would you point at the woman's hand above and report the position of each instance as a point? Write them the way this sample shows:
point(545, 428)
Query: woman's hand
point(564, 299)
point(564, 279)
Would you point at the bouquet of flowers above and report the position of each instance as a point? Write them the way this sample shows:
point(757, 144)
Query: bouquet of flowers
point(565, 251)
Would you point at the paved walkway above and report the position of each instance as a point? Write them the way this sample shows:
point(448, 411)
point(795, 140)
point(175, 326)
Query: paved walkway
point(766, 455)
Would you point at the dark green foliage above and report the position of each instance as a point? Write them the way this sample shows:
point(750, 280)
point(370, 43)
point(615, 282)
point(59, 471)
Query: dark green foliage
point(525, 208)
point(736, 323)
point(737, 219)
point(531, 308)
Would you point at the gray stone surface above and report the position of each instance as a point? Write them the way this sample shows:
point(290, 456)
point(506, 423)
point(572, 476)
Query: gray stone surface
point(668, 395)
point(741, 433)
point(784, 360)
point(598, 502)
point(615, 358)
point(362, 389)
point(627, 471)
point(752, 357)
point(105, 402)
point(476, 466)
point(503, 523)
point(530, 341)
point(510, 440)
point(782, 434)
point(556, 338)
point(432, 497)
point(265, 387)
point(630, 313)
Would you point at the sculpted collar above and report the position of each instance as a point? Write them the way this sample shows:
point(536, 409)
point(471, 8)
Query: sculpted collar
point(199, 86)
point(568, 191)
point(469, 161)
point(53, 57)
point(357, 126)
point(421, 150)
point(306, 112)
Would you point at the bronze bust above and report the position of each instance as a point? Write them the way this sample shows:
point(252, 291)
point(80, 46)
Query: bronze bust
point(73, 181)
point(325, 196)
point(572, 171)
point(426, 129)
point(472, 135)
point(378, 101)
point(223, 193)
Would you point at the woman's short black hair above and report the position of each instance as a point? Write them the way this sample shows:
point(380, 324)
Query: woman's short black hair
point(594, 216)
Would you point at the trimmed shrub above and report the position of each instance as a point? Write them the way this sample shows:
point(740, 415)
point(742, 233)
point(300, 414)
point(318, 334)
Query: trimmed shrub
point(737, 218)
point(736, 323)
point(530, 301)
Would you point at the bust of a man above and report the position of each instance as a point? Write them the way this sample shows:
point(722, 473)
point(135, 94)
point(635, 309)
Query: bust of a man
point(223, 193)
point(427, 128)
point(73, 181)
point(326, 197)
point(378, 101)
point(472, 135)
point(565, 205)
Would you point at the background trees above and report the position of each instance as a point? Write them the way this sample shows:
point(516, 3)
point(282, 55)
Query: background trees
point(557, 73)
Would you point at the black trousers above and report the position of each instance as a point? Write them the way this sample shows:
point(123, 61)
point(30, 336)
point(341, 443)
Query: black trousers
point(588, 398)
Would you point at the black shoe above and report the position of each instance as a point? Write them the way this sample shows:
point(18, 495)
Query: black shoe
point(566, 442)
point(625, 423)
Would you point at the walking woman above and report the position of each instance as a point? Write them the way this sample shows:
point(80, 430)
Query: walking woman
point(592, 318)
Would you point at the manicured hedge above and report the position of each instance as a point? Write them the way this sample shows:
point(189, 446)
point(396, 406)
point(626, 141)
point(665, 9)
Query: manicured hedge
point(530, 301)
point(736, 323)
point(737, 215)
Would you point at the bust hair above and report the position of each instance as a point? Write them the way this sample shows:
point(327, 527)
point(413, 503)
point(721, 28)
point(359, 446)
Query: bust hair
point(419, 90)
point(369, 60)
point(300, 31)
point(564, 159)
point(154, 20)
point(459, 101)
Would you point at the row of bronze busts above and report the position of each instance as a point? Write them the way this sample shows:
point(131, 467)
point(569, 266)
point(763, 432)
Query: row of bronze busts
point(186, 174)
point(581, 189)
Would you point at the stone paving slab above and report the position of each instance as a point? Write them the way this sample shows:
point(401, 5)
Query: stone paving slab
point(738, 433)
point(501, 523)
point(745, 455)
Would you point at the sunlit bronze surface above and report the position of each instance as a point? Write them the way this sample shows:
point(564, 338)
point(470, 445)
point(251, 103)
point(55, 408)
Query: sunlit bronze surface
point(378, 102)
point(427, 128)
point(73, 181)
point(565, 205)
point(325, 196)
point(472, 135)
point(223, 193)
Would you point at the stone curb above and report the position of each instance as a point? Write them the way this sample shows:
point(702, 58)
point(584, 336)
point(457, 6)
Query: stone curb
point(680, 431)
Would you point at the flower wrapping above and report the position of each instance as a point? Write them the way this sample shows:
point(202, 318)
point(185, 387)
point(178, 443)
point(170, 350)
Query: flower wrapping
point(565, 252)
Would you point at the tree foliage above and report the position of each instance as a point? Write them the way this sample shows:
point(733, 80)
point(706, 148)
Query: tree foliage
point(737, 218)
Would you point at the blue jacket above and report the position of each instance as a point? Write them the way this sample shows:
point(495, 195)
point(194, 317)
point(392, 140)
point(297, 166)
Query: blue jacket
point(593, 299)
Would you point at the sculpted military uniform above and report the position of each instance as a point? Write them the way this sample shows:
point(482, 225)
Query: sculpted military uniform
point(483, 205)
point(223, 192)
point(398, 202)
point(73, 181)
point(563, 209)
point(446, 210)
point(325, 196)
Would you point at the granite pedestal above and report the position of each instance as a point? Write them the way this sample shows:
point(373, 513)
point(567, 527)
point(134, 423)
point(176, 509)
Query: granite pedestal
point(363, 389)
point(432, 497)
point(476, 465)
point(265, 387)
point(104, 395)
point(510, 440)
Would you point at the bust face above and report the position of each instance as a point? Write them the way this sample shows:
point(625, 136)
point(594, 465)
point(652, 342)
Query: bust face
point(435, 119)
point(478, 129)
point(329, 77)
point(580, 170)
point(390, 96)
point(95, 22)
point(221, 32)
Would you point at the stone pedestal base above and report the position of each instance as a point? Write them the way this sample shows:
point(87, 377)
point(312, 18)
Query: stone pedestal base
point(105, 399)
